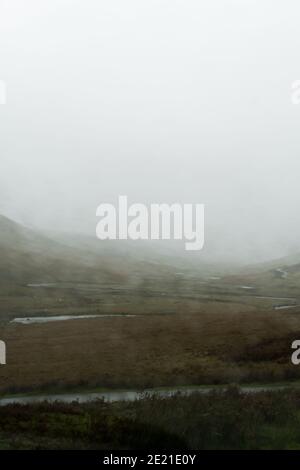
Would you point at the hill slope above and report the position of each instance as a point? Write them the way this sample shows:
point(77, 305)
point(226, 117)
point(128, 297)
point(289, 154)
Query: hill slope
point(30, 256)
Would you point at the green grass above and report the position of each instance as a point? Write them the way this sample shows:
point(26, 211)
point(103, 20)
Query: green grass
point(218, 420)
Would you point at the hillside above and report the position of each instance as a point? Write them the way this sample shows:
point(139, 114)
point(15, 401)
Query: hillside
point(29, 256)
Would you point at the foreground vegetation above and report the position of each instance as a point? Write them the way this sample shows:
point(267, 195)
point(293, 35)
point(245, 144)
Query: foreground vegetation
point(219, 420)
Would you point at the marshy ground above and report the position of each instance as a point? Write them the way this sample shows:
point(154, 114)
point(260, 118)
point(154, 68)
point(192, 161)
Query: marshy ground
point(161, 332)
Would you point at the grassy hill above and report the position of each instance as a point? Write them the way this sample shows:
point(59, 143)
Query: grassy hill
point(28, 256)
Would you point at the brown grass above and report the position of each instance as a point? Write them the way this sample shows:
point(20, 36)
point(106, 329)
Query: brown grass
point(217, 344)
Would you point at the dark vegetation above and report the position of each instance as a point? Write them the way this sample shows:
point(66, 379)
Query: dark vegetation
point(219, 420)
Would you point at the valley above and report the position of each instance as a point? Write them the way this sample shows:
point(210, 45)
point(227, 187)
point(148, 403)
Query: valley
point(89, 324)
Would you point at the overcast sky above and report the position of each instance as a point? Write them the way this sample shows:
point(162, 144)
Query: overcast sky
point(160, 100)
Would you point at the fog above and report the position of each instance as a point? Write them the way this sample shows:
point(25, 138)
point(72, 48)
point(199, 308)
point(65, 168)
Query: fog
point(162, 101)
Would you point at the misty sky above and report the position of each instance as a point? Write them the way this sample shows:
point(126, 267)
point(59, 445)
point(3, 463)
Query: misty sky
point(159, 100)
